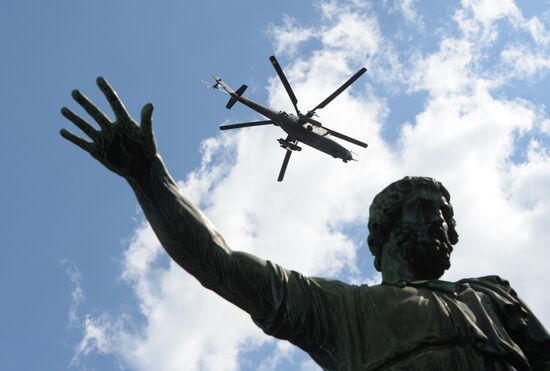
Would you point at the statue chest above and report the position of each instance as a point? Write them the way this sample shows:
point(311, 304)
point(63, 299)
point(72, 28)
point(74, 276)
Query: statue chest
point(396, 324)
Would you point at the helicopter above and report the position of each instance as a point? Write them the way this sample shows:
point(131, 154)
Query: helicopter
point(300, 128)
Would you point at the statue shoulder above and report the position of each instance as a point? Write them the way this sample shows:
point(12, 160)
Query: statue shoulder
point(334, 289)
point(492, 282)
point(521, 324)
point(491, 279)
point(331, 284)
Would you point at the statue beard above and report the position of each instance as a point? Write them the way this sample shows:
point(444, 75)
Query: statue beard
point(426, 248)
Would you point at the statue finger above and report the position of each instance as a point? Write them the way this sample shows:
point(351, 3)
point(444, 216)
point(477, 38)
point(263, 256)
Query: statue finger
point(86, 146)
point(92, 110)
point(146, 120)
point(78, 121)
point(118, 108)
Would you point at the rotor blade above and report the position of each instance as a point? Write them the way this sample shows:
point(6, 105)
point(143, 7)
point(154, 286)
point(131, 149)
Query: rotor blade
point(285, 164)
point(345, 137)
point(246, 124)
point(285, 82)
point(338, 91)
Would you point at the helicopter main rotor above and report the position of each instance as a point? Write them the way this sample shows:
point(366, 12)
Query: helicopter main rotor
point(330, 98)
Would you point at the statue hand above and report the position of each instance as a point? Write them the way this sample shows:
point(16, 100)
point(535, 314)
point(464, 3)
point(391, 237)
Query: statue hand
point(122, 146)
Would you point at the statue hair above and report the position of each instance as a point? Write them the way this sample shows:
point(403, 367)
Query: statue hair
point(386, 207)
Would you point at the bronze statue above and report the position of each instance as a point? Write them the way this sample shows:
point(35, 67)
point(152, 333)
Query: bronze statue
point(411, 321)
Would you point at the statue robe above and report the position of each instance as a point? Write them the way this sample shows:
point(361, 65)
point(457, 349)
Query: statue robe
point(473, 324)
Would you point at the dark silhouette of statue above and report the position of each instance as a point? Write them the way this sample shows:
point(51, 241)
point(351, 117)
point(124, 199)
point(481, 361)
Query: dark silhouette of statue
point(411, 321)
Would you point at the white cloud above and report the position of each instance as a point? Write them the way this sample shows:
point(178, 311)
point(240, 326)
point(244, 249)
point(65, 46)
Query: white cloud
point(408, 10)
point(99, 335)
point(289, 36)
point(525, 63)
point(446, 71)
point(77, 294)
point(464, 135)
point(489, 11)
point(481, 18)
point(357, 35)
point(538, 31)
point(283, 351)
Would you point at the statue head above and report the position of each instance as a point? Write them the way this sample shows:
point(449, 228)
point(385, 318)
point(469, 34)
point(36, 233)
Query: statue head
point(412, 230)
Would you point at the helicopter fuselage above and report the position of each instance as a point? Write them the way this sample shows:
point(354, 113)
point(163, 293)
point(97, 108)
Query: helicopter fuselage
point(304, 132)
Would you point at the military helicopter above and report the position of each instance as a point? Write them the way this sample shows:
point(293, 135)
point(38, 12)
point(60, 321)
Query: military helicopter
point(299, 128)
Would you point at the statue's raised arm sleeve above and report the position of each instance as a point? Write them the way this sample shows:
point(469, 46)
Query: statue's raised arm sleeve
point(282, 303)
point(192, 241)
point(299, 309)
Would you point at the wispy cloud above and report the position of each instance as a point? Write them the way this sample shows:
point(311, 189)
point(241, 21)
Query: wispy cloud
point(409, 11)
point(99, 335)
point(465, 134)
point(289, 36)
point(77, 294)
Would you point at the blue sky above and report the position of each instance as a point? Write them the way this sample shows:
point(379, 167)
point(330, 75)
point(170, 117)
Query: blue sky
point(455, 90)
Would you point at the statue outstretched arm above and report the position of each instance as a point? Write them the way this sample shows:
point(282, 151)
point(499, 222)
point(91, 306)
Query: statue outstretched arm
point(128, 149)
